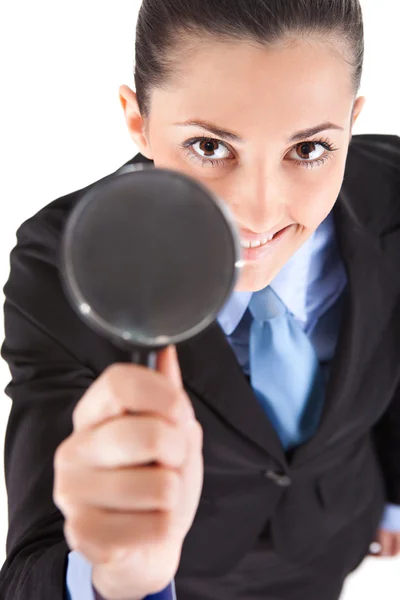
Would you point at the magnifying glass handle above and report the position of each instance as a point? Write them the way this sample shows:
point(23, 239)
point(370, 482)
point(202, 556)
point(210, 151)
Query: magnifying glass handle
point(142, 356)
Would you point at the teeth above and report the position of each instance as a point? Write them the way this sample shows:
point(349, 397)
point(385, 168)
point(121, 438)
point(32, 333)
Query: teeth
point(256, 243)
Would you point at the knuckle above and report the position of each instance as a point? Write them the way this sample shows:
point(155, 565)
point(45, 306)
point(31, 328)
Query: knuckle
point(69, 535)
point(112, 371)
point(112, 381)
point(197, 432)
point(61, 499)
point(73, 533)
point(61, 455)
point(167, 489)
point(57, 499)
point(80, 407)
point(76, 412)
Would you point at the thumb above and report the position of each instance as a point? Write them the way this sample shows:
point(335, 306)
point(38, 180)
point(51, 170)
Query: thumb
point(167, 363)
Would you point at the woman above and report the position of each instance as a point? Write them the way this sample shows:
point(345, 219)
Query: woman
point(257, 100)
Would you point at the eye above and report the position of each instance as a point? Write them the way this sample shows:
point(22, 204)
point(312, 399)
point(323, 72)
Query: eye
point(213, 152)
point(311, 155)
point(207, 151)
point(309, 150)
point(211, 149)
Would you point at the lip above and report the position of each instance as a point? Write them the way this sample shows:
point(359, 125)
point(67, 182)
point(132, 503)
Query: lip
point(249, 254)
point(250, 236)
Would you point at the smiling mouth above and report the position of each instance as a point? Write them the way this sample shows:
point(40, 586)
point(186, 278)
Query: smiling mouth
point(257, 243)
point(261, 241)
point(260, 248)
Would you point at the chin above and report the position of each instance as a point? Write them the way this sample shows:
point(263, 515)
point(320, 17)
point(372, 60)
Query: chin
point(255, 276)
point(252, 281)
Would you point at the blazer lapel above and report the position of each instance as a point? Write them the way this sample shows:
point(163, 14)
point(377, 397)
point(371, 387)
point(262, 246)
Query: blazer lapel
point(210, 369)
point(367, 223)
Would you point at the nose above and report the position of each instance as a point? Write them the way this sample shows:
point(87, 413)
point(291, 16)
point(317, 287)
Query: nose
point(262, 205)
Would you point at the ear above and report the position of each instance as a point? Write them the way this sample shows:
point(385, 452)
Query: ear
point(134, 120)
point(358, 106)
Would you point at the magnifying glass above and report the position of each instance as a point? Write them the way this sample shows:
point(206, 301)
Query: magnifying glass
point(149, 258)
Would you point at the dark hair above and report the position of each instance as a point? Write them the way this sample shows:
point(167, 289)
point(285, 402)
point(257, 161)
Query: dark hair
point(164, 28)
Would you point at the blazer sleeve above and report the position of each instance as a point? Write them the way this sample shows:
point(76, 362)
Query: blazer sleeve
point(53, 359)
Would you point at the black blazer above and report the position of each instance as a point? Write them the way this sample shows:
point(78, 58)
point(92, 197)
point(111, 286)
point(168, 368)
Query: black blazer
point(302, 498)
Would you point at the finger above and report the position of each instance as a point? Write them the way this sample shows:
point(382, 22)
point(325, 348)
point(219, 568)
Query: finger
point(103, 536)
point(138, 489)
point(396, 544)
point(128, 388)
point(167, 363)
point(126, 441)
point(192, 476)
point(386, 540)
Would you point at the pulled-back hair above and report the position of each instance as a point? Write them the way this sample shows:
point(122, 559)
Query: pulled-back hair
point(165, 27)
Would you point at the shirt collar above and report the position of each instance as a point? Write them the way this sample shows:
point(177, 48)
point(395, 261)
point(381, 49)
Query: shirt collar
point(233, 310)
point(292, 282)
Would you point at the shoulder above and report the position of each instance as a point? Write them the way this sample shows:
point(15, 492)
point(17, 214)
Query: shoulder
point(44, 229)
point(47, 225)
point(371, 183)
point(36, 310)
point(381, 151)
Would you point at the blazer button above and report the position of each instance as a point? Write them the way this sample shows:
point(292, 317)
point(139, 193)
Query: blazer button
point(278, 478)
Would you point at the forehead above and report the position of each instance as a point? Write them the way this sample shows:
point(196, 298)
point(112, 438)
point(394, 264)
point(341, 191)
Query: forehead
point(302, 82)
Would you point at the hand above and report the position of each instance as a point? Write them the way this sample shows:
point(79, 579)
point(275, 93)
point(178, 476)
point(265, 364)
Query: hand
point(128, 479)
point(389, 542)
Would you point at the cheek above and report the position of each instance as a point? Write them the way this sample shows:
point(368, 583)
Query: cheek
point(311, 212)
point(314, 201)
point(165, 158)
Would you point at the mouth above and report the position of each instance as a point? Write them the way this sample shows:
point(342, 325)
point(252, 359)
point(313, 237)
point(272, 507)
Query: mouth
point(261, 247)
point(256, 243)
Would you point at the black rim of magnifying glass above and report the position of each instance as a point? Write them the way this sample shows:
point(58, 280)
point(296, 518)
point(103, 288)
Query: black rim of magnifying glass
point(100, 325)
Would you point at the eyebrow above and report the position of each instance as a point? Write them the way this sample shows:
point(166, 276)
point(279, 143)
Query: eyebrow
point(229, 136)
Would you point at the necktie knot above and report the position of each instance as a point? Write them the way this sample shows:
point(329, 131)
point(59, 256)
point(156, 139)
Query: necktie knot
point(266, 304)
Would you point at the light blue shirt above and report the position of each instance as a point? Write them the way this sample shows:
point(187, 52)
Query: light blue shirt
point(311, 285)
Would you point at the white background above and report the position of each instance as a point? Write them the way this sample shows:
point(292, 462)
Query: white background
point(62, 128)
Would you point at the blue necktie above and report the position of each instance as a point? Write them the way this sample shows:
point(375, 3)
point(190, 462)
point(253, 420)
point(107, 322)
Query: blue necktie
point(285, 373)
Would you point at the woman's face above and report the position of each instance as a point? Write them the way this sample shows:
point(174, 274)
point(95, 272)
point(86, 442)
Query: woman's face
point(258, 99)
